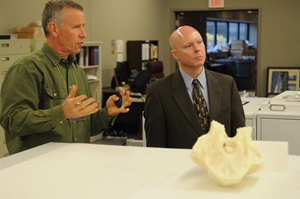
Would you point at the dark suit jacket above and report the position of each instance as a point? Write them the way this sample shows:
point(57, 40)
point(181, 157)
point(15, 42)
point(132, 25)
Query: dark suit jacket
point(170, 118)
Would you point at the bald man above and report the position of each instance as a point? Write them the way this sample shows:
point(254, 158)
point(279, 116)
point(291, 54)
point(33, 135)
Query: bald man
point(171, 120)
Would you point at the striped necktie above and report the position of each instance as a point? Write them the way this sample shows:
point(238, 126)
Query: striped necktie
point(200, 106)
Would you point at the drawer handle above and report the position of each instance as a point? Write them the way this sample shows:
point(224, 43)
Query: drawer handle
point(5, 45)
point(4, 58)
point(277, 107)
point(4, 72)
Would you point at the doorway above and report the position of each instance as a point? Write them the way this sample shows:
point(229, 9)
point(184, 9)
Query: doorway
point(220, 28)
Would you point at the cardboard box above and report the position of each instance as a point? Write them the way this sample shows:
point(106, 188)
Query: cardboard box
point(29, 32)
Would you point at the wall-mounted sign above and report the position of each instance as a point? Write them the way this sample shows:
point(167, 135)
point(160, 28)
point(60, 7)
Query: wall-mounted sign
point(216, 3)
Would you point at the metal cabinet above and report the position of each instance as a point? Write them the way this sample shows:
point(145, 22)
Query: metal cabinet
point(279, 120)
point(10, 51)
point(251, 107)
point(280, 126)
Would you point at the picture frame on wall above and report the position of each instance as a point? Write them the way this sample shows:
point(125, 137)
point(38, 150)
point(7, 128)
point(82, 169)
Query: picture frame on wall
point(280, 79)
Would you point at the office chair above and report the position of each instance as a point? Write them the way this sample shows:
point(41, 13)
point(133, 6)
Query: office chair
point(245, 74)
point(156, 69)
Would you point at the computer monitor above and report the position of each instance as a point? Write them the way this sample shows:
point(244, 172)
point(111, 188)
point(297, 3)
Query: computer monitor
point(122, 73)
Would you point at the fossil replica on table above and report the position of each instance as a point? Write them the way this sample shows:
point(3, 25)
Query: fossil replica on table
point(227, 160)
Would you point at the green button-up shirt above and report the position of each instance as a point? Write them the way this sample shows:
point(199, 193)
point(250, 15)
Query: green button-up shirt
point(33, 90)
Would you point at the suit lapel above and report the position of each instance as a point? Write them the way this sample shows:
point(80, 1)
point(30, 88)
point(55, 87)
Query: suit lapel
point(183, 100)
point(214, 93)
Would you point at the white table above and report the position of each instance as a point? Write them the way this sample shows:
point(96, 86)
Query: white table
point(57, 170)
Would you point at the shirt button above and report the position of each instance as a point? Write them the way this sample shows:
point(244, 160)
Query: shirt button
point(60, 122)
point(75, 139)
point(54, 94)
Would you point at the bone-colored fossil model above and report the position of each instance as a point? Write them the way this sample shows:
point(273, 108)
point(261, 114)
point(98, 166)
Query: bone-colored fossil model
point(227, 160)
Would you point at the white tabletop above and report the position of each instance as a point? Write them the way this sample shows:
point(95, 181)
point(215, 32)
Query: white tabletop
point(57, 170)
point(253, 104)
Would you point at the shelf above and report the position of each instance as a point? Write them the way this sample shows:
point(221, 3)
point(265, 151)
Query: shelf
point(93, 81)
point(140, 52)
point(89, 59)
point(90, 67)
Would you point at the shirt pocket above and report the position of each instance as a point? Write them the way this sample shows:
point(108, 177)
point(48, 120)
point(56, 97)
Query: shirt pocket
point(54, 97)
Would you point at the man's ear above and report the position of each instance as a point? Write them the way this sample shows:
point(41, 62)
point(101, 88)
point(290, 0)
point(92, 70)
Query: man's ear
point(52, 29)
point(174, 54)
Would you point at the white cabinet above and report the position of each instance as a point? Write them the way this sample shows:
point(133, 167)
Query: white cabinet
point(3, 149)
point(280, 126)
point(273, 125)
point(89, 59)
point(36, 44)
point(251, 121)
point(279, 120)
point(10, 51)
point(251, 107)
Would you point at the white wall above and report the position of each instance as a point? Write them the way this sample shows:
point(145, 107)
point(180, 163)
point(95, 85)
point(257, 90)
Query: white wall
point(19, 13)
point(124, 20)
point(278, 29)
point(105, 20)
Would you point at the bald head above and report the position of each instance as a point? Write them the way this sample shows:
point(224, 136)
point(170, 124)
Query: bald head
point(180, 33)
point(188, 49)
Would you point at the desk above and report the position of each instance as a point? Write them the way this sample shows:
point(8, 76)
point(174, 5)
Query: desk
point(58, 170)
point(131, 122)
point(242, 70)
point(229, 63)
point(221, 68)
point(217, 55)
point(227, 60)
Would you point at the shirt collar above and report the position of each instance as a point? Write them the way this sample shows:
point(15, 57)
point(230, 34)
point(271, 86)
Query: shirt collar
point(54, 57)
point(188, 79)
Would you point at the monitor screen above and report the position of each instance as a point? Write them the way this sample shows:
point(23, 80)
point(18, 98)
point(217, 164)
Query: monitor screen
point(122, 73)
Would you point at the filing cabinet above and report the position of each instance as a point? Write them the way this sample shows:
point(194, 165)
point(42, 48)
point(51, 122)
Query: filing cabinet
point(279, 120)
point(251, 108)
point(280, 126)
point(37, 44)
point(10, 51)
point(3, 149)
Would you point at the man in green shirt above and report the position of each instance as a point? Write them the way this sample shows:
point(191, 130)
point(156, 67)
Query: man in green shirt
point(46, 96)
